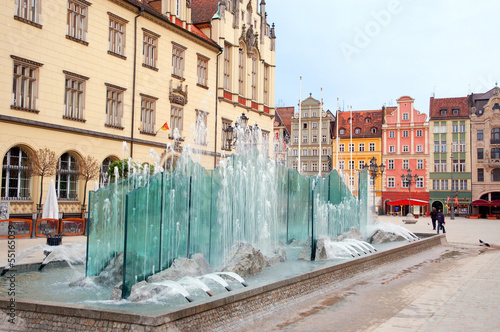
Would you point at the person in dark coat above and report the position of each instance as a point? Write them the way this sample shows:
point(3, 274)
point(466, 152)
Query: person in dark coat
point(440, 220)
point(434, 214)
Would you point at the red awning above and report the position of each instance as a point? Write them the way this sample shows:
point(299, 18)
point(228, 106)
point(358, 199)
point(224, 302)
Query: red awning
point(495, 203)
point(480, 202)
point(406, 201)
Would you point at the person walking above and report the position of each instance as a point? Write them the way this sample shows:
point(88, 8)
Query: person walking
point(440, 220)
point(434, 214)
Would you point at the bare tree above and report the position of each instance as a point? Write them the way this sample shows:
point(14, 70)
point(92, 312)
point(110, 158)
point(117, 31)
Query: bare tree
point(43, 163)
point(89, 168)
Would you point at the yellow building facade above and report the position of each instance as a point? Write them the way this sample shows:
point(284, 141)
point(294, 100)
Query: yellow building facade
point(100, 79)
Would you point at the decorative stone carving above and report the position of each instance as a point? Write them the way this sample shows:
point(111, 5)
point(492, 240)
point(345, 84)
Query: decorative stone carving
point(178, 95)
point(188, 3)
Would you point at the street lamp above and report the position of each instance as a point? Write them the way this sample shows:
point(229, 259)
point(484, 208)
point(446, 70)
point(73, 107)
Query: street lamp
point(452, 192)
point(232, 132)
point(375, 171)
point(407, 180)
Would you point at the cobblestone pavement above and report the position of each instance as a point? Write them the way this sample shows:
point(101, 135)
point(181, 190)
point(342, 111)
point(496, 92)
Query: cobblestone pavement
point(452, 288)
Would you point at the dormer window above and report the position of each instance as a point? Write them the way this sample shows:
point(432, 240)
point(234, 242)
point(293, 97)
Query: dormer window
point(342, 131)
point(349, 120)
point(443, 112)
point(367, 120)
point(357, 131)
point(455, 111)
point(374, 130)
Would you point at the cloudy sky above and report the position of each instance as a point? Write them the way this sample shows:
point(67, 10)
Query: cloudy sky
point(370, 53)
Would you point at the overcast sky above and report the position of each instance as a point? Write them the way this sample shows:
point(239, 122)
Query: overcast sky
point(369, 53)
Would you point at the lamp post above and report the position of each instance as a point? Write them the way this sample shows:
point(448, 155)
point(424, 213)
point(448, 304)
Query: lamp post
point(232, 132)
point(452, 192)
point(375, 171)
point(408, 180)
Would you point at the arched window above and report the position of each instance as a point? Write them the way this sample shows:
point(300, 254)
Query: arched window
point(103, 176)
point(495, 175)
point(67, 177)
point(15, 175)
point(254, 77)
point(357, 131)
point(495, 135)
point(374, 130)
point(367, 120)
point(241, 71)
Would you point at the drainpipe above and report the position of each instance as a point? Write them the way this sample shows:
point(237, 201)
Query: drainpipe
point(216, 104)
point(141, 10)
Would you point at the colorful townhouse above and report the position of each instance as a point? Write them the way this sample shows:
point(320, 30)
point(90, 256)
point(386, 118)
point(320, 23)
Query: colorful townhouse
point(281, 134)
point(405, 150)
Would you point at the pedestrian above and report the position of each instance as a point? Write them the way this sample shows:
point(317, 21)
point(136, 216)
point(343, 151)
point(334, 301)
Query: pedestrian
point(434, 214)
point(440, 220)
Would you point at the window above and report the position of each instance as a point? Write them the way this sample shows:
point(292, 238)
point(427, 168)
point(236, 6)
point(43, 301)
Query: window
point(462, 165)
point(266, 84)
point(462, 127)
point(436, 146)
point(437, 165)
point(67, 177)
point(495, 135)
point(324, 138)
point(241, 71)
point(324, 167)
point(77, 20)
point(455, 128)
point(495, 175)
point(341, 164)
point(444, 184)
point(325, 152)
point(176, 118)
point(351, 181)
point(342, 131)
point(341, 147)
point(351, 147)
point(463, 184)
point(495, 153)
point(304, 152)
point(420, 148)
point(149, 49)
point(314, 115)
point(116, 35)
point(420, 182)
point(480, 135)
point(25, 84)
point(406, 148)
point(406, 164)
point(454, 146)
point(227, 67)
point(480, 153)
point(454, 165)
point(419, 132)
point(201, 132)
point(304, 125)
point(392, 148)
point(304, 139)
point(443, 146)
point(349, 120)
point(202, 68)
point(390, 182)
point(367, 120)
point(304, 167)
point(374, 130)
point(294, 166)
point(435, 184)
point(405, 116)
point(29, 10)
point(462, 146)
point(315, 152)
point(443, 112)
point(480, 175)
point(178, 55)
point(443, 127)
point(148, 114)
point(74, 97)
point(103, 175)
point(455, 111)
point(372, 147)
point(361, 147)
point(404, 183)
point(436, 128)
point(114, 106)
point(405, 133)
point(254, 78)
point(315, 125)
point(390, 164)
point(295, 153)
point(391, 134)
point(314, 167)
point(351, 164)
point(443, 165)
point(361, 164)
point(226, 145)
point(454, 185)
point(15, 175)
point(296, 139)
point(306, 115)
point(357, 131)
point(420, 164)
point(315, 139)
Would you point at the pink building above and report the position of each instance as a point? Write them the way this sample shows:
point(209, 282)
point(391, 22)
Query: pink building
point(405, 146)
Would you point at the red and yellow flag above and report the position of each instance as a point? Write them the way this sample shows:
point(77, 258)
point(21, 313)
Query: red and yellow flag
point(165, 126)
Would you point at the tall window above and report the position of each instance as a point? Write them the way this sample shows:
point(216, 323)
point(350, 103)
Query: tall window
point(390, 164)
point(103, 176)
point(443, 165)
point(436, 146)
point(462, 146)
point(314, 167)
point(114, 106)
point(406, 164)
point(315, 152)
point(405, 133)
point(419, 132)
point(67, 177)
point(341, 147)
point(454, 184)
point(480, 135)
point(495, 153)
point(178, 53)
point(480, 175)
point(304, 139)
point(74, 97)
point(29, 10)
point(116, 35)
point(266, 84)
point(227, 67)
point(201, 133)
point(15, 175)
point(202, 70)
point(463, 184)
point(444, 184)
point(495, 175)
point(325, 152)
point(480, 153)
point(361, 164)
point(341, 164)
point(176, 118)
point(372, 147)
point(437, 165)
point(420, 182)
point(462, 127)
point(462, 165)
point(304, 152)
point(304, 166)
point(241, 72)
point(351, 147)
point(324, 167)
point(25, 84)
point(254, 78)
point(420, 164)
point(443, 146)
point(315, 139)
point(406, 148)
point(225, 143)
point(454, 146)
point(391, 134)
point(435, 184)
point(390, 182)
point(420, 148)
point(392, 148)
point(77, 20)
point(495, 135)
point(295, 152)
point(149, 49)
point(148, 114)
point(361, 147)
point(351, 164)
point(455, 127)
point(324, 138)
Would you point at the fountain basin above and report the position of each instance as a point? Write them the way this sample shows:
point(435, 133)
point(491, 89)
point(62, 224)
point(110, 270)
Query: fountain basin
point(229, 311)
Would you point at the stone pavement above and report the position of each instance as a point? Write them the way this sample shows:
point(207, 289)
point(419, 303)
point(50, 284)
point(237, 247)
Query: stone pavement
point(453, 288)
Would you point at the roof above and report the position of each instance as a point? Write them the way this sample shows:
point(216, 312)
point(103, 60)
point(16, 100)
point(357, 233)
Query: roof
point(479, 100)
point(284, 115)
point(375, 118)
point(448, 104)
point(202, 11)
